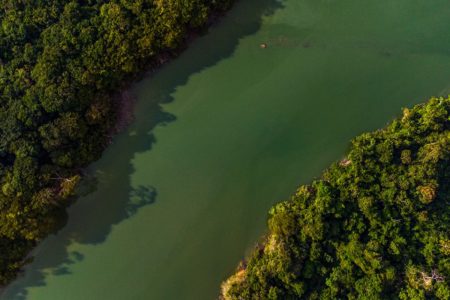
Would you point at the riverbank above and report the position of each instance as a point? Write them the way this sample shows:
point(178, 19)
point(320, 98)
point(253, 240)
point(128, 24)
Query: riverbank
point(43, 148)
point(124, 101)
point(345, 234)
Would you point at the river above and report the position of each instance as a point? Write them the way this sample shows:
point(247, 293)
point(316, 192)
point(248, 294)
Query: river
point(228, 129)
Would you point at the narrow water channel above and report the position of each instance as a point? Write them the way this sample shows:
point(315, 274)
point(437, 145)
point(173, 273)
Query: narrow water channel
point(228, 129)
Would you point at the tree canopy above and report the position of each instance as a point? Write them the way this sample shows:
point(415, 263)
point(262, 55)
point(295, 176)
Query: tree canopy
point(60, 62)
point(375, 226)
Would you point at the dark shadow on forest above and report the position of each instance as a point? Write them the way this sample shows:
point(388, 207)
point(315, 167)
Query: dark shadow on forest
point(107, 195)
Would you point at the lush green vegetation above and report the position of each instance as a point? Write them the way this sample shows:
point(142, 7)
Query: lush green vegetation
point(375, 226)
point(60, 63)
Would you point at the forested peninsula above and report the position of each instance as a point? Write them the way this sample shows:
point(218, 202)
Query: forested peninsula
point(61, 63)
point(376, 225)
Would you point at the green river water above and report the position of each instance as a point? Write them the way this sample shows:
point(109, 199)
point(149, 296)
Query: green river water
point(228, 129)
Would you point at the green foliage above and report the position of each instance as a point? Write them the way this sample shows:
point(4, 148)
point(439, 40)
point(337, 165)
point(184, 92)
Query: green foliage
point(60, 62)
point(375, 226)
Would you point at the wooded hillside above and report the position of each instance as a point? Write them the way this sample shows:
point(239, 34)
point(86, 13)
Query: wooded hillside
point(375, 226)
point(60, 63)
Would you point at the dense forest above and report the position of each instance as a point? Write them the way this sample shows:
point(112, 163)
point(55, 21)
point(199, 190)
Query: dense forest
point(60, 64)
point(376, 225)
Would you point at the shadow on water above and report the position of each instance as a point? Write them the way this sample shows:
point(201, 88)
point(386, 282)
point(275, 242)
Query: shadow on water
point(107, 197)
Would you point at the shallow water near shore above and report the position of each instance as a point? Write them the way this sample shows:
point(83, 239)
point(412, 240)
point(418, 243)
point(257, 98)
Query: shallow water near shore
point(228, 129)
